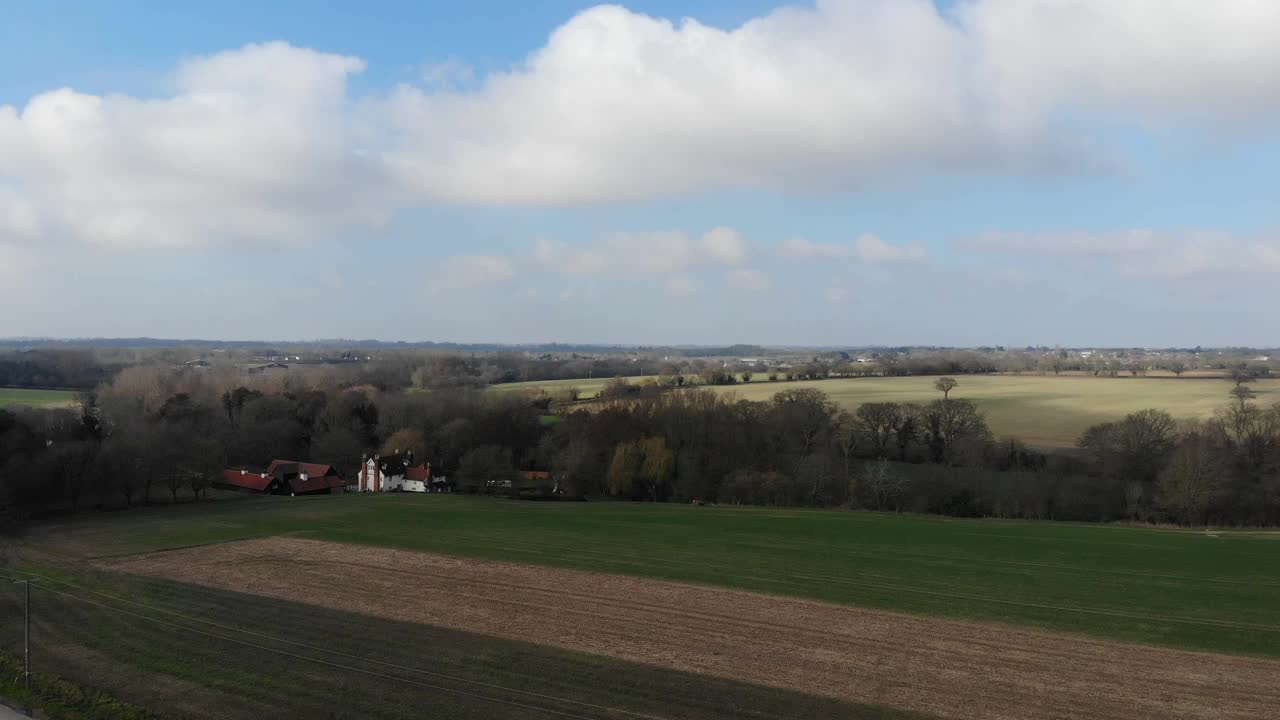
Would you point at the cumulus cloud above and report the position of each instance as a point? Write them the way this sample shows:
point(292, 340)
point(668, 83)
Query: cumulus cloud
point(620, 105)
point(726, 245)
point(266, 144)
point(866, 248)
point(256, 145)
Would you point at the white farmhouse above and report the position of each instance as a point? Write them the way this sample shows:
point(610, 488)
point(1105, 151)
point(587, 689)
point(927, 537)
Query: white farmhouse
point(397, 473)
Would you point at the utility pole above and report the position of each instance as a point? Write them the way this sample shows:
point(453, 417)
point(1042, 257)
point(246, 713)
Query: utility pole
point(26, 637)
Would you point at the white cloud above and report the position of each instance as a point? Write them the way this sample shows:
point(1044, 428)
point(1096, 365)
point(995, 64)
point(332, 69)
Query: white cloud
point(619, 105)
point(1064, 244)
point(748, 279)
point(656, 252)
point(837, 294)
point(726, 245)
point(449, 73)
point(867, 248)
point(1137, 252)
point(1206, 60)
point(266, 144)
point(473, 270)
point(256, 144)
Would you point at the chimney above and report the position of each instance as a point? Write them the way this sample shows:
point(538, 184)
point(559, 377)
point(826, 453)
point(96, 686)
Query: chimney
point(409, 454)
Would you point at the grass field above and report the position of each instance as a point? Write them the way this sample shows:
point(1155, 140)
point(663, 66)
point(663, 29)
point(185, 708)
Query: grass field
point(1215, 592)
point(14, 397)
point(1043, 410)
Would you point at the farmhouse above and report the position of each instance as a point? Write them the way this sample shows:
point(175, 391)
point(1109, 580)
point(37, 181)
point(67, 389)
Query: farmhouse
point(285, 477)
point(397, 473)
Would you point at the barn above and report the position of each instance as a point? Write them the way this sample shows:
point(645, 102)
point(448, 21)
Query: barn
point(285, 477)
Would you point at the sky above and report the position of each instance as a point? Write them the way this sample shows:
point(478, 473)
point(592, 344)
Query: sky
point(846, 172)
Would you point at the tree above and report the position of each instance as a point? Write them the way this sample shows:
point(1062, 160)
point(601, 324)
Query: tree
point(488, 469)
point(906, 428)
point(1177, 367)
point(746, 376)
point(884, 486)
point(877, 422)
point(641, 468)
point(948, 424)
point(1191, 482)
point(1240, 374)
point(945, 385)
point(405, 440)
point(1242, 394)
point(1132, 453)
point(847, 429)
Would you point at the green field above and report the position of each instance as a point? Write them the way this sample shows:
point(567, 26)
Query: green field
point(1216, 592)
point(15, 397)
point(1043, 410)
point(587, 387)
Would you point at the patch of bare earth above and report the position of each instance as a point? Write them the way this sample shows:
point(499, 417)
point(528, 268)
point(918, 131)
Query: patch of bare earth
point(938, 667)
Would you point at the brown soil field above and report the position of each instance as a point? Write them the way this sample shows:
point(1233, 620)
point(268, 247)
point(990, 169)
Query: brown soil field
point(937, 667)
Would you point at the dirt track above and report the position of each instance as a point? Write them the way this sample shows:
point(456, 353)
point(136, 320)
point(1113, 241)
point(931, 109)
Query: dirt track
point(938, 667)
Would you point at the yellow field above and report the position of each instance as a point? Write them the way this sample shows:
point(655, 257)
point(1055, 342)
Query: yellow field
point(1042, 410)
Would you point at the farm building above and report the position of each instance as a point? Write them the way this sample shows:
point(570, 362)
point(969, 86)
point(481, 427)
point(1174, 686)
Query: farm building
point(285, 477)
point(397, 473)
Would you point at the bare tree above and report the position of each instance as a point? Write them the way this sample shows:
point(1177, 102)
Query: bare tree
point(1239, 374)
point(1242, 394)
point(948, 424)
point(878, 421)
point(1191, 482)
point(945, 385)
point(847, 429)
point(883, 486)
point(906, 429)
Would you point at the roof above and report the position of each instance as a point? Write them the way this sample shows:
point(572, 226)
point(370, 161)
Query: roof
point(418, 472)
point(247, 480)
point(314, 483)
point(393, 464)
point(311, 469)
point(537, 475)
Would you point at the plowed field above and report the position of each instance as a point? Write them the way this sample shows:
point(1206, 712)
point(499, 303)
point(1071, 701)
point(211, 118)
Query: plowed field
point(938, 667)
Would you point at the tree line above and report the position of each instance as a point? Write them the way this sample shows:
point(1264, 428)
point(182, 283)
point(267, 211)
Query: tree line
point(151, 435)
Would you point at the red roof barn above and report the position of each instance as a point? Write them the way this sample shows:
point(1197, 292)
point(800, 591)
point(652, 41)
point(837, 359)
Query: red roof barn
point(286, 477)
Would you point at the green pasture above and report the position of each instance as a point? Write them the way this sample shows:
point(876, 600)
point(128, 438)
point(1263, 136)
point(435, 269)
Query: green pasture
point(1042, 410)
point(15, 397)
point(1192, 589)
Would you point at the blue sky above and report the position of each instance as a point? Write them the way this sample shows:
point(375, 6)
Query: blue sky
point(850, 172)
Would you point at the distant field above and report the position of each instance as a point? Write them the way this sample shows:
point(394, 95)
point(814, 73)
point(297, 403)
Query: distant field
point(1042, 410)
point(13, 397)
point(588, 387)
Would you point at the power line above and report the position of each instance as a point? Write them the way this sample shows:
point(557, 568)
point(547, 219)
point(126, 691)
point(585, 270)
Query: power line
point(316, 648)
